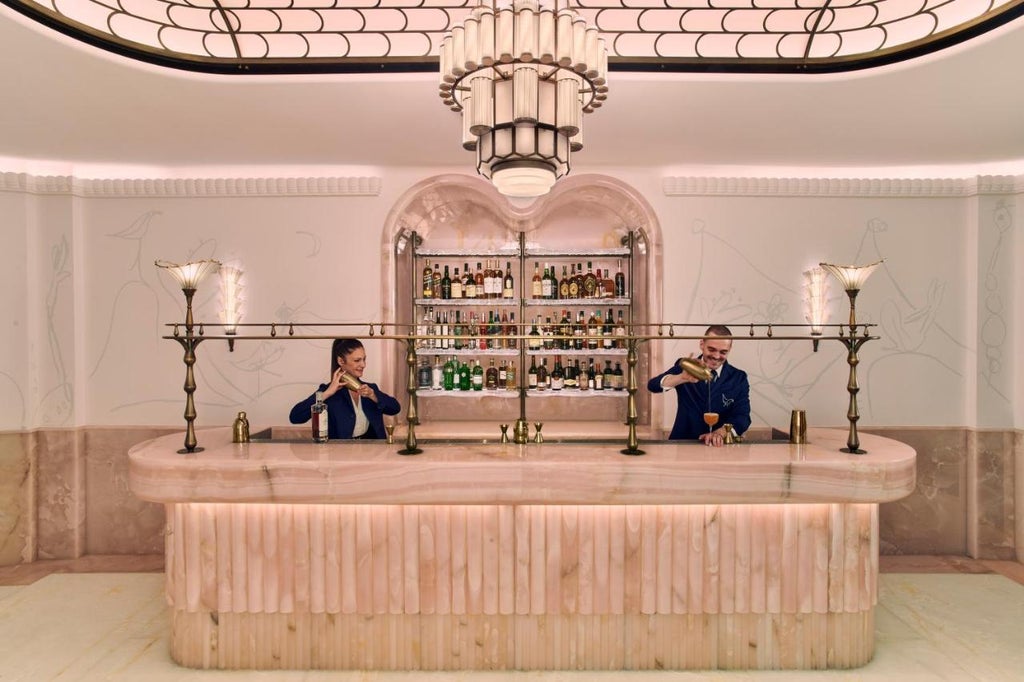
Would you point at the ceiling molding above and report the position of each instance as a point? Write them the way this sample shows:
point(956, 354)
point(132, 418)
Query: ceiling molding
point(683, 186)
point(191, 187)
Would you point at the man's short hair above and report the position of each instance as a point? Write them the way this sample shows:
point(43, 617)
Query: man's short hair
point(717, 330)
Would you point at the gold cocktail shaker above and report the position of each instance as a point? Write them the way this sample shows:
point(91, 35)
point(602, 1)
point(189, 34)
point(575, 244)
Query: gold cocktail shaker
point(694, 368)
point(350, 382)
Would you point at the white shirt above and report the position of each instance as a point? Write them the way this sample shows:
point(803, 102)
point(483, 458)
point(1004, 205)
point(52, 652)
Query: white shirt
point(362, 423)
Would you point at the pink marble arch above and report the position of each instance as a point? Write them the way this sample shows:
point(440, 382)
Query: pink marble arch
point(296, 555)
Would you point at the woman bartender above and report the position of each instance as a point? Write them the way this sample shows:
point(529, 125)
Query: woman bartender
point(350, 413)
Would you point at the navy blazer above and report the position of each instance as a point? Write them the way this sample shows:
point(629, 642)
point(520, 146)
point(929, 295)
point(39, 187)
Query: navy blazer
point(729, 396)
point(341, 414)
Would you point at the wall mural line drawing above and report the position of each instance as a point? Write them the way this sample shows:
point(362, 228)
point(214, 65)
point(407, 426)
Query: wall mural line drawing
point(993, 325)
point(233, 380)
point(781, 373)
point(56, 405)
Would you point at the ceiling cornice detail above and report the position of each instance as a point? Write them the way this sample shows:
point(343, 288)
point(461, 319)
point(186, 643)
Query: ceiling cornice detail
point(191, 187)
point(684, 186)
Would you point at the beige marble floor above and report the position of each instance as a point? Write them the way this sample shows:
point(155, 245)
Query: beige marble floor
point(113, 626)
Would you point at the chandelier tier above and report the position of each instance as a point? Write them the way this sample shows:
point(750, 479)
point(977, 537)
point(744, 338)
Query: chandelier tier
point(522, 74)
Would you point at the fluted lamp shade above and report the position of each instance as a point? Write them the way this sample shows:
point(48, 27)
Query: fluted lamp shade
point(188, 275)
point(852, 277)
point(816, 298)
point(522, 74)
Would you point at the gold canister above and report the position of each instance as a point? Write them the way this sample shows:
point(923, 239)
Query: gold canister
point(240, 429)
point(694, 368)
point(798, 427)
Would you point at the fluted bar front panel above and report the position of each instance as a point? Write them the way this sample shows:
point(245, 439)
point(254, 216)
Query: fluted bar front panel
point(522, 587)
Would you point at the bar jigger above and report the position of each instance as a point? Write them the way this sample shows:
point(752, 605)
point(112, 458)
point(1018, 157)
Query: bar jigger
point(504, 433)
point(538, 438)
point(390, 428)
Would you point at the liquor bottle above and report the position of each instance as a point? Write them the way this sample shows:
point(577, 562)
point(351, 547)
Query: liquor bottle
point(608, 331)
point(565, 330)
point(594, 330)
point(545, 284)
point(318, 412)
point(535, 341)
point(456, 284)
point(543, 376)
point(488, 279)
point(446, 342)
point(531, 376)
point(478, 376)
point(537, 287)
point(620, 281)
point(590, 282)
point(557, 376)
point(511, 330)
point(502, 374)
point(497, 279)
point(510, 377)
point(479, 278)
point(598, 376)
point(423, 375)
point(571, 375)
point(423, 328)
point(437, 279)
point(618, 378)
point(582, 380)
point(428, 281)
point(465, 377)
point(579, 280)
point(437, 375)
point(437, 330)
point(509, 290)
point(607, 285)
point(457, 331)
point(446, 284)
point(448, 381)
point(620, 332)
point(490, 377)
point(563, 285)
point(579, 331)
point(576, 282)
point(553, 277)
point(609, 375)
point(548, 333)
point(468, 283)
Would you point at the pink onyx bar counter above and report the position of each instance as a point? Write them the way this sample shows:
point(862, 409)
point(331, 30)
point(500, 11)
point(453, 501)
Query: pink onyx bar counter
point(554, 556)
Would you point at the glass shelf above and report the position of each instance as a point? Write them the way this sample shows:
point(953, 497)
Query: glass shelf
point(469, 302)
point(492, 352)
point(578, 302)
point(572, 352)
point(617, 252)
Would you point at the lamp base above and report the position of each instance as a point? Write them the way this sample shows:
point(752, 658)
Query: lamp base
point(633, 452)
point(410, 451)
point(854, 451)
point(186, 451)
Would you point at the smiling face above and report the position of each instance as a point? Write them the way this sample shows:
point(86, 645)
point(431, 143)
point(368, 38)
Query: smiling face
point(354, 363)
point(714, 350)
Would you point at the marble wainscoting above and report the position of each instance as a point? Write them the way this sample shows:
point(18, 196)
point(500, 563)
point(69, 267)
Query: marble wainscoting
point(965, 500)
point(64, 494)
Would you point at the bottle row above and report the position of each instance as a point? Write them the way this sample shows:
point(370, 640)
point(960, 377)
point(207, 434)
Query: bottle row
point(597, 332)
point(491, 282)
point(471, 376)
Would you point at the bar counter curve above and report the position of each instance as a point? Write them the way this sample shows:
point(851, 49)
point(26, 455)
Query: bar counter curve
point(541, 556)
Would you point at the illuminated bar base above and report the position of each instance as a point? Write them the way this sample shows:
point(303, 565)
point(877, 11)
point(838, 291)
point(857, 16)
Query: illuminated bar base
point(449, 586)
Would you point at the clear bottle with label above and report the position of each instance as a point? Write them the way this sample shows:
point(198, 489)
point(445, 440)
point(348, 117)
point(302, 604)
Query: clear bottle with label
point(319, 414)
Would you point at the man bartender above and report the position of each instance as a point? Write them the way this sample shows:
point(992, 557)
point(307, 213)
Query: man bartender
point(726, 393)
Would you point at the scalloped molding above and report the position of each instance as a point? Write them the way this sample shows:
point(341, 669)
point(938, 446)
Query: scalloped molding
point(843, 187)
point(190, 187)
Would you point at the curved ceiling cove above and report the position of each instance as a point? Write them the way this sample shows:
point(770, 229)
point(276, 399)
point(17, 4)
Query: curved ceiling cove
point(307, 36)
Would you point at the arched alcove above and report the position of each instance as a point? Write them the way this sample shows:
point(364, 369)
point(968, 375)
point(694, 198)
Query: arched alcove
point(464, 214)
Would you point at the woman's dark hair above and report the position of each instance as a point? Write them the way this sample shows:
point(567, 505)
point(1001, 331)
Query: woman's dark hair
point(342, 347)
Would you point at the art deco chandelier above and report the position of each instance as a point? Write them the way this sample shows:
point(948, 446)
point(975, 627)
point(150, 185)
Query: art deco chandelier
point(522, 73)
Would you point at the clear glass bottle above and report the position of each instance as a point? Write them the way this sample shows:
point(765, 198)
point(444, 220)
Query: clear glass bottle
point(318, 412)
point(424, 375)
